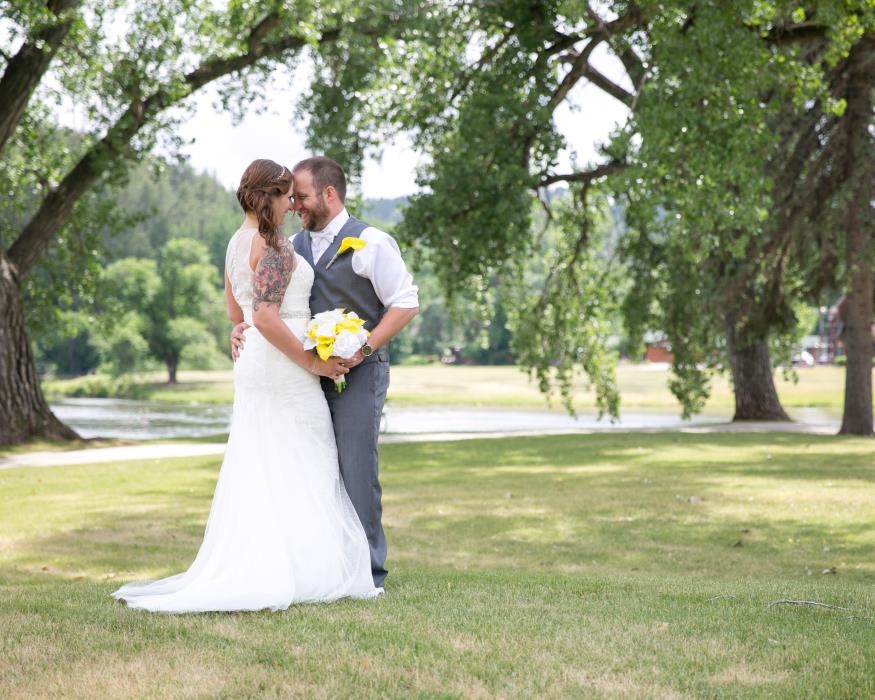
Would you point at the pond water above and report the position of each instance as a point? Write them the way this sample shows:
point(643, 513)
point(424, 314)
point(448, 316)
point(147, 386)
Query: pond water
point(141, 420)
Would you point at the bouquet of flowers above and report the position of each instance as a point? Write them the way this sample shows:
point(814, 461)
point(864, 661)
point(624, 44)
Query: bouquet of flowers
point(336, 333)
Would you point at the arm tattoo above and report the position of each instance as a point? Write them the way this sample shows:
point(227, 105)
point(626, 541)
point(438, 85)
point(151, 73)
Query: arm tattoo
point(272, 276)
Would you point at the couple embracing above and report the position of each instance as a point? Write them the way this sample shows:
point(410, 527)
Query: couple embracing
point(296, 514)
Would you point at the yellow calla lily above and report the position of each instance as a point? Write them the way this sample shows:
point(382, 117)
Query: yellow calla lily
point(350, 324)
point(348, 243)
point(324, 347)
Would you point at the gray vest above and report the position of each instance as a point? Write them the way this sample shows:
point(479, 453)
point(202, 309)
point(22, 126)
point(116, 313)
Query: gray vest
point(339, 286)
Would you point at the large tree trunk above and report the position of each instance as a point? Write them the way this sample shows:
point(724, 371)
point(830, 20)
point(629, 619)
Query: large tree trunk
point(859, 156)
point(24, 412)
point(857, 339)
point(754, 385)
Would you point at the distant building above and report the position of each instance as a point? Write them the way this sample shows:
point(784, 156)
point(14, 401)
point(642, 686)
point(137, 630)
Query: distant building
point(657, 348)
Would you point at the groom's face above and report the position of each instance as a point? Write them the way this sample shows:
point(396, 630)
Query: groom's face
point(310, 202)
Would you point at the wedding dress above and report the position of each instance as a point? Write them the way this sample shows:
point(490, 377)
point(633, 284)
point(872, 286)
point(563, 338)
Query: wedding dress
point(281, 528)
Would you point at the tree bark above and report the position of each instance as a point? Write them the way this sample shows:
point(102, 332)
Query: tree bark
point(756, 397)
point(859, 173)
point(172, 366)
point(24, 413)
point(27, 67)
point(857, 339)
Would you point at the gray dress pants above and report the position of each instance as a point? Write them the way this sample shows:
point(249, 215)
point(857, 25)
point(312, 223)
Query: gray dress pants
point(356, 413)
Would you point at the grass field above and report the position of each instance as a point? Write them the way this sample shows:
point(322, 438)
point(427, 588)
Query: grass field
point(641, 386)
point(613, 565)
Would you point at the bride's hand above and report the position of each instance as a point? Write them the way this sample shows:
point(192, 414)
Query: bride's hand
point(333, 367)
point(237, 340)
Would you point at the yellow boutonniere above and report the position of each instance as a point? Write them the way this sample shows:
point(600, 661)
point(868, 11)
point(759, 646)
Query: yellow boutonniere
point(348, 243)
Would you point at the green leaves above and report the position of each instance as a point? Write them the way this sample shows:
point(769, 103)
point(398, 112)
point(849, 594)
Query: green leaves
point(565, 323)
point(160, 307)
point(717, 175)
point(474, 86)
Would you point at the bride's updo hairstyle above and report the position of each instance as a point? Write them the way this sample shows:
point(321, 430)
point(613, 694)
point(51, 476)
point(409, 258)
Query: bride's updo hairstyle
point(260, 184)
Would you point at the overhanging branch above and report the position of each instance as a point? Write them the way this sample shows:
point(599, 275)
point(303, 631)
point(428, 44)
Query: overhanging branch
point(796, 33)
point(26, 68)
point(586, 177)
point(578, 69)
point(609, 86)
point(57, 206)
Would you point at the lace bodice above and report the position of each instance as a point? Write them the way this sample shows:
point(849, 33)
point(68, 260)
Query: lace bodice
point(296, 302)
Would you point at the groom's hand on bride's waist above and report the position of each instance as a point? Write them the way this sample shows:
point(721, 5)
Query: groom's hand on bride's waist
point(237, 339)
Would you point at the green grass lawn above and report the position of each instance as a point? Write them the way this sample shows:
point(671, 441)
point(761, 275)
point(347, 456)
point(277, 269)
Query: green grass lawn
point(607, 565)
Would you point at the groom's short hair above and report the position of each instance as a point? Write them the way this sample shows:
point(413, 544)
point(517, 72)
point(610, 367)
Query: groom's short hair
point(325, 172)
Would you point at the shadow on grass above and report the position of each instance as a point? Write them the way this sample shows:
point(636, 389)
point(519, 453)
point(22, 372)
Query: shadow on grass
point(703, 505)
point(631, 504)
point(784, 455)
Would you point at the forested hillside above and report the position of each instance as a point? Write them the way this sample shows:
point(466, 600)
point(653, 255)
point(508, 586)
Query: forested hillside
point(116, 320)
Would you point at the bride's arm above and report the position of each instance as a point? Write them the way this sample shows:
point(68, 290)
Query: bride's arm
point(272, 276)
point(235, 313)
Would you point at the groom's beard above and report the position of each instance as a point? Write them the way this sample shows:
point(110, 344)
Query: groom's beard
point(316, 218)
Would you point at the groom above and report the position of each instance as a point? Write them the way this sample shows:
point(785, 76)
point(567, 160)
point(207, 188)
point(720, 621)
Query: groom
point(374, 282)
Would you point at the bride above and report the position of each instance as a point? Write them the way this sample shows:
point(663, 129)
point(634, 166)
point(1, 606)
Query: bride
point(281, 528)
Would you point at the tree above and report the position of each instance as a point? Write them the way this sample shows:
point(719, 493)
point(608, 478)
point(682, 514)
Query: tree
point(124, 67)
point(67, 347)
point(827, 204)
point(696, 191)
point(158, 309)
point(707, 85)
point(745, 143)
point(188, 293)
point(159, 202)
point(172, 202)
point(123, 346)
point(476, 85)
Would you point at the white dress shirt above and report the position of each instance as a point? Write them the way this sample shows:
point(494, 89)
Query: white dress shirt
point(379, 261)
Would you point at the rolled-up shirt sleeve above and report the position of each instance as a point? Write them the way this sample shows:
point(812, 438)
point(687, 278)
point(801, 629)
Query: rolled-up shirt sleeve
point(380, 262)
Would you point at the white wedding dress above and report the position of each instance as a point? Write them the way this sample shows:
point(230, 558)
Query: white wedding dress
point(281, 528)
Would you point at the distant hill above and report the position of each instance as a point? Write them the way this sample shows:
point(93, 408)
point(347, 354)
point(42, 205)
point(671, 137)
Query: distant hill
point(383, 211)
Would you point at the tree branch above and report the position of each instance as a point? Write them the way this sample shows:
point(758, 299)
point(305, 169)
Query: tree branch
point(807, 603)
point(586, 177)
point(575, 73)
point(795, 33)
point(634, 67)
point(261, 30)
point(613, 89)
point(466, 78)
point(563, 42)
point(605, 30)
point(26, 68)
point(57, 206)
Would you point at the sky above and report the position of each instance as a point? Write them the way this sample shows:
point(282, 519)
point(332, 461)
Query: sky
point(223, 150)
